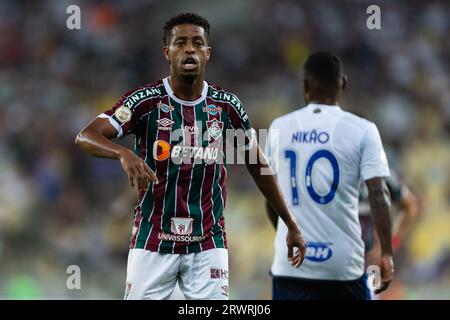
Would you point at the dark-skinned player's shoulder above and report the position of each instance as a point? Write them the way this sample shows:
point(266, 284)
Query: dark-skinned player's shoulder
point(221, 100)
point(133, 106)
point(136, 96)
point(228, 99)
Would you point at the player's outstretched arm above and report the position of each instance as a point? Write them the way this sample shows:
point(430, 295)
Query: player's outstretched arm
point(269, 187)
point(380, 205)
point(95, 140)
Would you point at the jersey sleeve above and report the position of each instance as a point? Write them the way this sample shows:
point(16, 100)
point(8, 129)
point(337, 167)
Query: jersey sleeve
point(373, 158)
point(126, 113)
point(240, 123)
point(272, 148)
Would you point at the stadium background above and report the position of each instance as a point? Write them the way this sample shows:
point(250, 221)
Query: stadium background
point(59, 207)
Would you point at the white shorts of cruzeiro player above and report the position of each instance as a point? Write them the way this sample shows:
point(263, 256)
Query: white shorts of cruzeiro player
point(200, 276)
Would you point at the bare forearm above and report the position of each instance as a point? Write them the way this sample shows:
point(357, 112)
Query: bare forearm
point(269, 187)
point(273, 216)
point(380, 205)
point(96, 144)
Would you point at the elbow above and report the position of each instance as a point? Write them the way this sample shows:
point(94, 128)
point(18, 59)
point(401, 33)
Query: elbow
point(80, 139)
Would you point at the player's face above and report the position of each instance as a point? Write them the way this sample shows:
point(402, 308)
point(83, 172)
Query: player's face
point(187, 50)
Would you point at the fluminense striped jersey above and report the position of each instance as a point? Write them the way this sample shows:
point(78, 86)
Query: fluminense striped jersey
point(183, 142)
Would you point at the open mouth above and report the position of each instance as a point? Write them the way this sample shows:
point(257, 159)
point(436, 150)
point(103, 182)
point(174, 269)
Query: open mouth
point(189, 63)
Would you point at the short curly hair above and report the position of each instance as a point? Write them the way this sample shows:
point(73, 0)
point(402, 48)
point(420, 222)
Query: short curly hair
point(185, 18)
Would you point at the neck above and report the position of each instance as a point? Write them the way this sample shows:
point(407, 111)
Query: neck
point(186, 88)
point(334, 100)
point(330, 102)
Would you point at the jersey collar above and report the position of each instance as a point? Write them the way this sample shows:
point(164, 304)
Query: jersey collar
point(181, 101)
point(323, 106)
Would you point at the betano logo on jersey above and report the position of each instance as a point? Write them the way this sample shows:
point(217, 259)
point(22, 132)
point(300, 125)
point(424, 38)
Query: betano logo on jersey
point(162, 151)
point(318, 251)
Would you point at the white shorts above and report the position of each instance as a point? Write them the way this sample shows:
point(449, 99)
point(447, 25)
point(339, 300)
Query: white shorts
point(153, 276)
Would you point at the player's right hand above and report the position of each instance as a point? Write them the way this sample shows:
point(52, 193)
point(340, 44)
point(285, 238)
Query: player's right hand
point(139, 173)
point(387, 272)
point(294, 239)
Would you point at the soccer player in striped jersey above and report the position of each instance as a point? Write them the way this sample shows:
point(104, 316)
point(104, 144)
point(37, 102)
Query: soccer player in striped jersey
point(179, 167)
point(322, 154)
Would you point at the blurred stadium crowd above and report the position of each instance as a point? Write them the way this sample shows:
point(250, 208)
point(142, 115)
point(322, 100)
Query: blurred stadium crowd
point(59, 207)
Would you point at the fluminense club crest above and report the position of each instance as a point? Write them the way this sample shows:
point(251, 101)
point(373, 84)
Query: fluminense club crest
point(215, 128)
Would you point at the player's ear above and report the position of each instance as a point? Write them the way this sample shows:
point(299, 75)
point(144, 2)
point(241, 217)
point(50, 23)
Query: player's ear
point(166, 53)
point(208, 53)
point(344, 82)
point(306, 90)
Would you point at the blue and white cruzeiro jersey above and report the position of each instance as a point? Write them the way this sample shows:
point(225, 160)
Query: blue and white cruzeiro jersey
point(320, 154)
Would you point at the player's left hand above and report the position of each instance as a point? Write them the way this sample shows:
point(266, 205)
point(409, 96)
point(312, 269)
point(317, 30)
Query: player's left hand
point(294, 238)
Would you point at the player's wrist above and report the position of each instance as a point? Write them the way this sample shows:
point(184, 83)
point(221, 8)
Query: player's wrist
point(293, 226)
point(123, 152)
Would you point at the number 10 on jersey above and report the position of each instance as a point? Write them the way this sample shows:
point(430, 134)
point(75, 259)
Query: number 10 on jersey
point(291, 156)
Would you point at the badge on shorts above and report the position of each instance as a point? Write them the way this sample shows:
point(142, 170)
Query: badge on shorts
point(225, 291)
point(181, 226)
point(123, 114)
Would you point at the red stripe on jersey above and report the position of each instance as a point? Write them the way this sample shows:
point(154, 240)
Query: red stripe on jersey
point(137, 222)
point(208, 243)
point(208, 217)
point(207, 187)
point(159, 189)
point(207, 193)
point(143, 155)
point(185, 172)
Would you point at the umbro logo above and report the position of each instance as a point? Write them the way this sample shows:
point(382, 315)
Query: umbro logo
point(165, 124)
